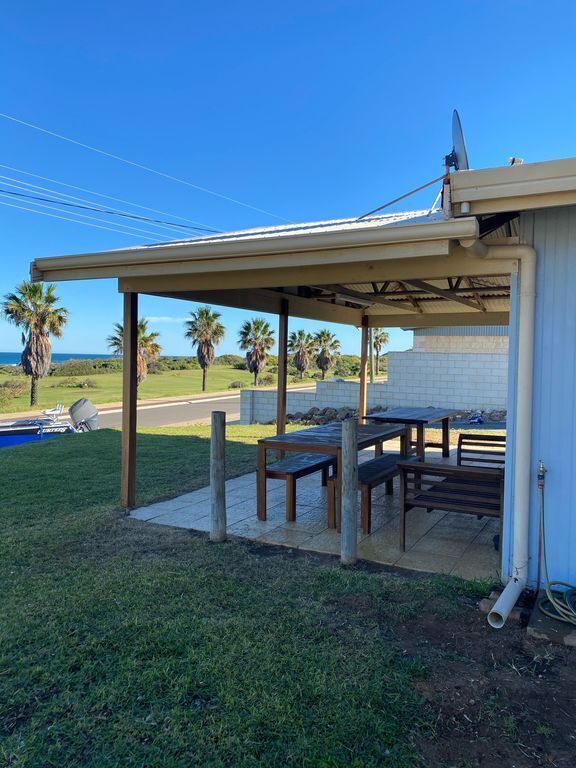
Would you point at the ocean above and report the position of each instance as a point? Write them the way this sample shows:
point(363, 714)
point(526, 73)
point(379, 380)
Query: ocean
point(13, 358)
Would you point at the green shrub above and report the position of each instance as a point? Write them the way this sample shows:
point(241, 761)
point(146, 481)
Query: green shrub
point(14, 387)
point(266, 380)
point(75, 383)
point(233, 360)
point(237, 385)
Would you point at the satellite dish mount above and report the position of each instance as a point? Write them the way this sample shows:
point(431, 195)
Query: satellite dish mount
point(458, 158)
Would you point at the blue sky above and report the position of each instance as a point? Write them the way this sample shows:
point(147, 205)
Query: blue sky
point(309, 110)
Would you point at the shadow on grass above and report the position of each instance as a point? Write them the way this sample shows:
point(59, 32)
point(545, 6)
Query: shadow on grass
point(71, 474)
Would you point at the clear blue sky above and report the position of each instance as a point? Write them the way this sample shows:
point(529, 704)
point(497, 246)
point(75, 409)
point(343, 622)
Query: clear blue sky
point(311, 110)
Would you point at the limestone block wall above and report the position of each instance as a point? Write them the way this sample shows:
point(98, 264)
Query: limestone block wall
point(459, 380)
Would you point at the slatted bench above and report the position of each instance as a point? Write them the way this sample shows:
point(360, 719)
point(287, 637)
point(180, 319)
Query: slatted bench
point(382, 469)
point(470, 490)
point(478, 449)
point(295, 466)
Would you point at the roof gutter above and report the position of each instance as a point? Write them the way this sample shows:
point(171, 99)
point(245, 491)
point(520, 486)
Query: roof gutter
point(523, 442)
point(452, 229)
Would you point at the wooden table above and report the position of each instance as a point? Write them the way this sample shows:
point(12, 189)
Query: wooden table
point(326, 438)
point(420, 418)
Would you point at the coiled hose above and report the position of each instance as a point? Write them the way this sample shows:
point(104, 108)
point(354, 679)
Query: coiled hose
point(560, 600)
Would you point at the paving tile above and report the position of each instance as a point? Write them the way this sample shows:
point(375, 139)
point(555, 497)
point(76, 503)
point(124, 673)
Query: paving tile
point(327, 541)
point(285, 536)
point(427, 561)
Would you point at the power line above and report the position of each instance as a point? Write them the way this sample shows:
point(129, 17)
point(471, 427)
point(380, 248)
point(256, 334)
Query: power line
point(26, 186)
point(4, 193)
point(92, 208)
point(99, 194)
point(75, 221)
point(141, 166)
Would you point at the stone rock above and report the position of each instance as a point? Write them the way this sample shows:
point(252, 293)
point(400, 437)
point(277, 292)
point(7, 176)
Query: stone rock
point(497, 415)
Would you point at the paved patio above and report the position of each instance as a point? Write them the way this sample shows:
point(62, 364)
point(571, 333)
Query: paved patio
point(436, 541)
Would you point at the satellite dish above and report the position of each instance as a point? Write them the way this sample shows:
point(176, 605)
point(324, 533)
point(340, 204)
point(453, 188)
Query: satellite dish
point(458, 158)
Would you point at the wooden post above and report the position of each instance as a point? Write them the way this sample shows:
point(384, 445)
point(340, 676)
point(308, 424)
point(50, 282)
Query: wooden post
point(363, 371)
point(282, 367)
point(348, 538)
point(129, 399)
point(371, 354)
point(218, 477)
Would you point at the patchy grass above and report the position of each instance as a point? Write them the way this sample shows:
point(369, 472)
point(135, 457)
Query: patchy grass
point(126, 644)
point(108, 387)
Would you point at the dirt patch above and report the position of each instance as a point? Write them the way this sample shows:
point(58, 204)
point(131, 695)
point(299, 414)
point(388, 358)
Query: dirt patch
point(497, 698)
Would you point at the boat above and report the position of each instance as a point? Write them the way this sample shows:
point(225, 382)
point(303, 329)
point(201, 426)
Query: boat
point(83, 418)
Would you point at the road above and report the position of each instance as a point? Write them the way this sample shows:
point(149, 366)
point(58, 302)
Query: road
point(162, 414)
point(182, 411)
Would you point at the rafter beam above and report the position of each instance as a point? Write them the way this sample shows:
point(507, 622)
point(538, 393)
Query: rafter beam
point(445, 294)
point(479, 301)
point(372, 298)
point(415, 303)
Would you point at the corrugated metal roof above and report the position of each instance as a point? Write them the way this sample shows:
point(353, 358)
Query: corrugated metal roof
point(315, 227)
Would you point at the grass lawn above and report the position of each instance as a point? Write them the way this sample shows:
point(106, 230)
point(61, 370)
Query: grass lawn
point(108, 387)
point(129, 645)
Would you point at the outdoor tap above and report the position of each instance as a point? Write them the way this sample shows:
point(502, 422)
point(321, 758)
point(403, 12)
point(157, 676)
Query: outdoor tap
point(541, 474)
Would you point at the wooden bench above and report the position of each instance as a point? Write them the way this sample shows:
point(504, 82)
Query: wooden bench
point(382, 469)
point(475, 449)
point(295, 466)
point(471, 490)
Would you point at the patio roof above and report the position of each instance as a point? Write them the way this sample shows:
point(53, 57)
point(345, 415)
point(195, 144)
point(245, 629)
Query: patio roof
point(401, 269)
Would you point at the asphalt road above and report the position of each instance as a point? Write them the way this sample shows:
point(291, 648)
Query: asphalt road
point(162, 414)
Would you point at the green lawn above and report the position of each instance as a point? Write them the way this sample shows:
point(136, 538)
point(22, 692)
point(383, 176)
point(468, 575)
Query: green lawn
point(108, 387)
point(129, 645)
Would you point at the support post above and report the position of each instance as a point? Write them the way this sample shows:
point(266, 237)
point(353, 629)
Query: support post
point(363, 371)
point(129, 399)
point(349, 523)
point(371, 354)
point(282, 367)
point(218, 477)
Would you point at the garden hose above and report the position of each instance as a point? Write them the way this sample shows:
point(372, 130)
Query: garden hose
point(560, 600)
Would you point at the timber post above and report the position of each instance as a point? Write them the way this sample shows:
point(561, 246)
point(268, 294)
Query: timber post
point(218, 477)
point(282, 370)
point(129, 401)
point(363, 372)
point(349, 492)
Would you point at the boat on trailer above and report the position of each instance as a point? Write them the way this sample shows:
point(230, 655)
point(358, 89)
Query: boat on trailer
point(83, 418)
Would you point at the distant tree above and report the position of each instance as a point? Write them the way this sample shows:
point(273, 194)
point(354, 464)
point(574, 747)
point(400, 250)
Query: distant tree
point(205, 332)
point(327, 349)
point(257, 339)
point(380, 338)
point(301, 347)
point(149, 348)
point(34, 309)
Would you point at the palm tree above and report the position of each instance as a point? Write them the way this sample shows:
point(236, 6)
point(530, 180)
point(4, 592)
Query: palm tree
point(301, 346)
point(148, 347)
point(327, 349)
point(33, 308)
point(257, 338)
point(204, 331)
point(380, 339)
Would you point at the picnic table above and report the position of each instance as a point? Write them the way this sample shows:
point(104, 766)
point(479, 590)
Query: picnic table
point(420, 418)
point(326, 439)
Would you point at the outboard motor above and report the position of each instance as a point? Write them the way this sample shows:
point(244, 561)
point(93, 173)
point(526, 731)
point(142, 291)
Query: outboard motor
point(84, 415)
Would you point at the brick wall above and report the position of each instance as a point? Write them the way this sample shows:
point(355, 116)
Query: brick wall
point(460, 380)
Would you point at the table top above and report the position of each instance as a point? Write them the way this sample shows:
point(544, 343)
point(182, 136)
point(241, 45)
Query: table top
point(412, 415)
point(329, 437)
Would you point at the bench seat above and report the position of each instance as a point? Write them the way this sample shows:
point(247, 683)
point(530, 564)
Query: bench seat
point(478, 449)
point(382, 469)
point(295, 466)
point(469, 490)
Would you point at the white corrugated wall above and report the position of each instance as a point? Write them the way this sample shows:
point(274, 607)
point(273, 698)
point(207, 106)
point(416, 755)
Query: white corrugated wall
point(553, 234)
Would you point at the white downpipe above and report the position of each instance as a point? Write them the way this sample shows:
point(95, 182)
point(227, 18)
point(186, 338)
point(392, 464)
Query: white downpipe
point(523, 447)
